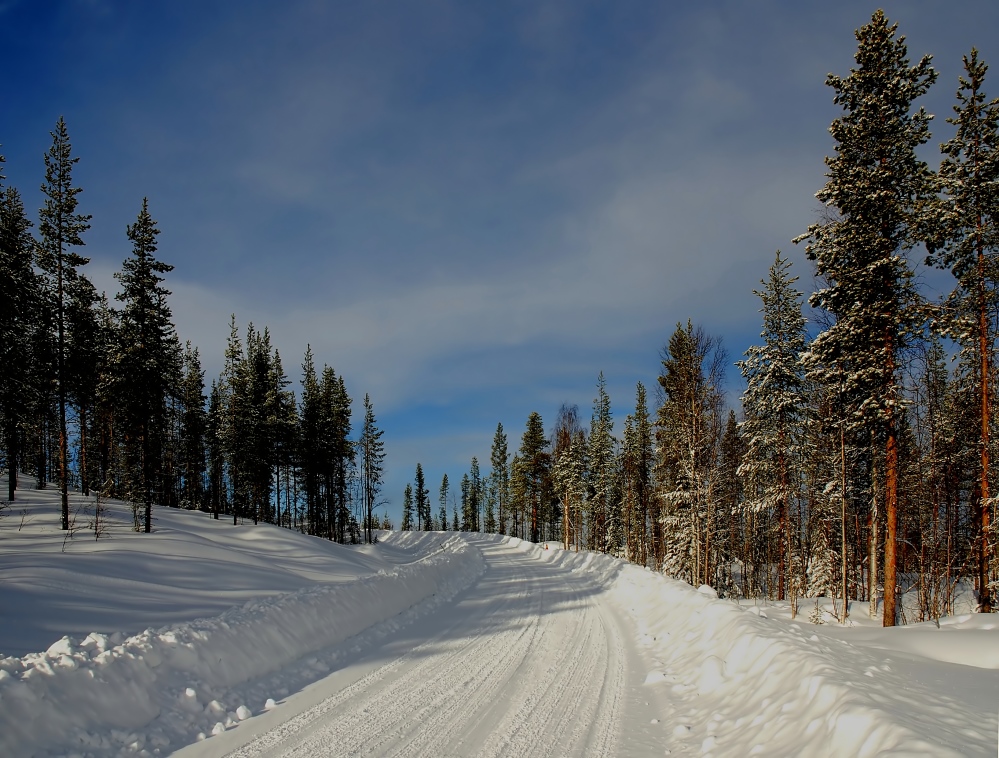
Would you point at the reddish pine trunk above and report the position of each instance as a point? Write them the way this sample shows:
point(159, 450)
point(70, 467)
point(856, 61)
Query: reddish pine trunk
point(891, 530)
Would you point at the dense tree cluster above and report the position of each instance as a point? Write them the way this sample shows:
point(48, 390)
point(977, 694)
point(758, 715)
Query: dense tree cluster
point(860, 466)
point(108, 400)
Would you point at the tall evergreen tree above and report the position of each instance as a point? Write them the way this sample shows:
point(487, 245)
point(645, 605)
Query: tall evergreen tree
point(568, 447)
point(407, 509)
point(475, 495)
point(879, 189)
point(148, 360)
point(19, 302)
point(967, 244)
point(215, 433)
point(774, 405)
point(445, 486)
point(310, 451)
point(372, 451)
point(637, 470)
point(83, 362)
point(282, 421)
point(60, 228)
point(499, 477)
point(534, 462)
point(193, 430)
point(604, 519)
point(422, 496)
point(689, 428)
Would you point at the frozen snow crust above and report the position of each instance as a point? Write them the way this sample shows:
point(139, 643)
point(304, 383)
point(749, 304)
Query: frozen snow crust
point(109, 695)
point(743, 684)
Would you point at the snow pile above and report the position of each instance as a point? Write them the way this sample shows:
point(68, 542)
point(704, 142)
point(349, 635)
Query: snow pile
point(745, 685)
point(809, 695)
point(106, 695)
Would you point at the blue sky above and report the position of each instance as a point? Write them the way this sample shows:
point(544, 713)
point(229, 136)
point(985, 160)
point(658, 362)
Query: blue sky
point(468, 209)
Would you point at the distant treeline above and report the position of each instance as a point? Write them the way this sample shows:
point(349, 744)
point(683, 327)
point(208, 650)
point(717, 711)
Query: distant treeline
point(107, 400)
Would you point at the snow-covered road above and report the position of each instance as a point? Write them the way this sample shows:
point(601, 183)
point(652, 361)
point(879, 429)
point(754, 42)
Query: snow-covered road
point(529, 661)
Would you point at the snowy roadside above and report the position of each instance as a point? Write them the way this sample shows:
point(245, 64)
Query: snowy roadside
point(107, 695)
point(742, 684)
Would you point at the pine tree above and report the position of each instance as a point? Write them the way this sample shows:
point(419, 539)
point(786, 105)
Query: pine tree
point(310, 454)
point(407, 509)
point(148, 360)
point(774, 405)
point(534, 463)
point(475, 495)
point(467, 518)
point(604, 520)
point(19, 301)
point(730, 531)
point(499, 478)
point(215, 431)
point(442, 499)
point(967, 244)
point(640, 464)
point(569, 469)
point(372, 451)
point(689, 428)
point(60, 228)
point(422, 497)
point(282, 416)
point(83, 362)
point(878, 189)
point(193, 431)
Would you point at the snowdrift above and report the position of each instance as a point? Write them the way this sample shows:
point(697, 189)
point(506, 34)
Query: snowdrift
point(808, 695)
point(107, 694)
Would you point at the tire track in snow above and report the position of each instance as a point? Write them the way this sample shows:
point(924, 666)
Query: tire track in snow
point(527, 666)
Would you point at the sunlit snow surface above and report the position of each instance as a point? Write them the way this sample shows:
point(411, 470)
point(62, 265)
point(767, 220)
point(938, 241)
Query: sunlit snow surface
point(254, 640)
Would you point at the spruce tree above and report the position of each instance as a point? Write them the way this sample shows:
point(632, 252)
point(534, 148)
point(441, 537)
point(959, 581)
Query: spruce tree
point(604, 520)
point(407, 509)
point(475, 495)
point(282, 415)
point(967, 243)
point(422, 495)
point(499, 477)
point(569, 469)
point(310, 453)
point(878, 189)
point(60, 228)
point(636, 467)
point(372, 451)
point(193, 430)
point(534, 463)
point(774, 406)
point(19, 302)
point(215, 434)
point(688, 431)
point(148, 357)
point(84, 359)
point(442, 499)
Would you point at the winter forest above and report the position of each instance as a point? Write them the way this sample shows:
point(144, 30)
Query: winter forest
point(857, 465)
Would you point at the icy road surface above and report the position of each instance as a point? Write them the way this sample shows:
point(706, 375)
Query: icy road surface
point(531, 660)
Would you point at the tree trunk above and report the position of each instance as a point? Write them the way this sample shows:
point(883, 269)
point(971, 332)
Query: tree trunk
point(984, 558)
point(891, 528)
point(872, 549)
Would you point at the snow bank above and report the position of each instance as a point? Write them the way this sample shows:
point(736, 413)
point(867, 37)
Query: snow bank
point(101, 694)
point(747, 685)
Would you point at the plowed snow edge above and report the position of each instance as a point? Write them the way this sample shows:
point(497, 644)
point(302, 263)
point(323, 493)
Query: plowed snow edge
point(99, 695)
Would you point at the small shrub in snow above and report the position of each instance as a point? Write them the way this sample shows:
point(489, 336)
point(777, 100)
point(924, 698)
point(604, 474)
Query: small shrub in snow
point(816, 615)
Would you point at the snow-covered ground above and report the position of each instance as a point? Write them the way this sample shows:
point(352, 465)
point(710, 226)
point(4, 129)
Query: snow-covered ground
point(207, 639)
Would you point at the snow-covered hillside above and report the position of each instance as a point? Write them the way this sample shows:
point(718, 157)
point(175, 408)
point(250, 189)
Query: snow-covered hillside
point(212, 639)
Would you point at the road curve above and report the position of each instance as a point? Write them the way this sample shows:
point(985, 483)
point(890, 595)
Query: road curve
point(529, 661)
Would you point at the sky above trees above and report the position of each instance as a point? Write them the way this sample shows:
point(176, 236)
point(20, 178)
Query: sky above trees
point(469, 210)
